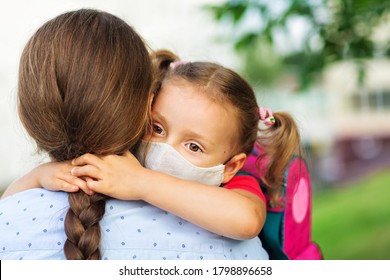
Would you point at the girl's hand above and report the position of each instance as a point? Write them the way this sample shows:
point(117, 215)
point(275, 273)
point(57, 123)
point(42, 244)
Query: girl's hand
point(56, 176)
point(117, 176)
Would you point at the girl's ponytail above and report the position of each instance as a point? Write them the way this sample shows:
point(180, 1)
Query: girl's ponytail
point(279, 143)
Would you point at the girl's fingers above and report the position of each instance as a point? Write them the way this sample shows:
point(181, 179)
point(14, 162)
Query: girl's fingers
point(73, 180)
point(87, 159)
point(85, 188)
point(86, 171)
point(70, 183)
point(80, 183)
point(66, 187)
point(95, 186)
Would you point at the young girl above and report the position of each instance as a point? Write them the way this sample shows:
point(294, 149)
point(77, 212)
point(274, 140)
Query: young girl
point(205, 122)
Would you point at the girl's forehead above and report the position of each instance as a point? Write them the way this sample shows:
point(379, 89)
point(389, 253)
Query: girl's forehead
point(192, 106)
point(198, 96)
point(207, 91)
point(179, 82)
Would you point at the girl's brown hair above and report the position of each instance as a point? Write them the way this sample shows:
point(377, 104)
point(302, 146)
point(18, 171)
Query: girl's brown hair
point(278, 143)
point(84, 83)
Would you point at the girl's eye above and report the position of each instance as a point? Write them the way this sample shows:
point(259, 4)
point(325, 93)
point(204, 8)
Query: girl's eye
point(193, 147)
point(158, 129)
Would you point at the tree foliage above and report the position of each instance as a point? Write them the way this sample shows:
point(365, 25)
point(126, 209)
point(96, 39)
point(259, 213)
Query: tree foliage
point(302, 37)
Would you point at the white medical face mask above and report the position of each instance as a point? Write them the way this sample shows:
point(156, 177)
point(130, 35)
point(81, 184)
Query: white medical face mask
point(164, 158)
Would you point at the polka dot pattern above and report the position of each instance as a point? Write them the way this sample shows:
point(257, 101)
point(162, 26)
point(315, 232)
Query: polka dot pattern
point(32, 227)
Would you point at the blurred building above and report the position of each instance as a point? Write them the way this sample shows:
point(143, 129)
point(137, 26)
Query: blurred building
point(345, 126)
point(359, 114)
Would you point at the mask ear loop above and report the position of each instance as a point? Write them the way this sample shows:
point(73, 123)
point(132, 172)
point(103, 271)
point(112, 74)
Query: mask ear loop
point(229, 159)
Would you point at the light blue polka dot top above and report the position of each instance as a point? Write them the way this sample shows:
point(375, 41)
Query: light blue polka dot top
point(32, 227)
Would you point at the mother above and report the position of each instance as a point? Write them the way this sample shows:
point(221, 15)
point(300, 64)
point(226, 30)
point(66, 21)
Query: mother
point(84, 87)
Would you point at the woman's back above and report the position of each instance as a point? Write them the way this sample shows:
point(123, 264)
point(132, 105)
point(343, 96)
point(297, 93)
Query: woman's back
point(32, 226)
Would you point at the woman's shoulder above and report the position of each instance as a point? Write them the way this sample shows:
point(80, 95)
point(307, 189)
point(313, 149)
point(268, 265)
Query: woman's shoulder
point(31, 223)
point(35, 205)
point(37, 197)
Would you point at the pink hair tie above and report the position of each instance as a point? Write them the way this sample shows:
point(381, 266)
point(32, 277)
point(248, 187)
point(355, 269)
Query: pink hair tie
point(266, 116)
point(174, 64)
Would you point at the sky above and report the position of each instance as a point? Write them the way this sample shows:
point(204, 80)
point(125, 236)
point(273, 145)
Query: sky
point(181, 26)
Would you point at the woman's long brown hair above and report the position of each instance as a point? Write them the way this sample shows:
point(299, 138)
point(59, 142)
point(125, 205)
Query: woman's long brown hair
point(84, 83)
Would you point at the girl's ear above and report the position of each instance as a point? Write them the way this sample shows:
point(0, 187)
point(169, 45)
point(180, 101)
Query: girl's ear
point(233, 166)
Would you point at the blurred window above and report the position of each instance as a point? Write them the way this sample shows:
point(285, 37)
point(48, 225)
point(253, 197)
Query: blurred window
point(375, 100)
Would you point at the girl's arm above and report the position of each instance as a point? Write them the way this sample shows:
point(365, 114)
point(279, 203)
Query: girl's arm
point(54, 176)
point(236, 213)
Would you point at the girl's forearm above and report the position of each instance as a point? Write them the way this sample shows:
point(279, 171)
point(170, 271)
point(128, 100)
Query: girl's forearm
point(235, 214)
point(28, 181)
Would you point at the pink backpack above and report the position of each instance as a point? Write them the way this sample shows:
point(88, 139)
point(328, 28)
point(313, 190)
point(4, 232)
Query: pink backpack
point(287, 231)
